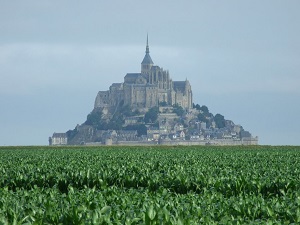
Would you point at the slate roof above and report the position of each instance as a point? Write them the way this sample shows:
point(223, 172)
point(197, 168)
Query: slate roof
point(179, 85)
point(147, 59)
point(116, 84)
point(132, 75)
point(59, 135)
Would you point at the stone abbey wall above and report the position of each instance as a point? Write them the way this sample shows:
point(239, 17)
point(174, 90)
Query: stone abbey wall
point(147, 89)
point(246, 141)
point(219, 142)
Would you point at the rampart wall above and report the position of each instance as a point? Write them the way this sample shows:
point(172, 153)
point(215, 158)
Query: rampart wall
point(220, 142)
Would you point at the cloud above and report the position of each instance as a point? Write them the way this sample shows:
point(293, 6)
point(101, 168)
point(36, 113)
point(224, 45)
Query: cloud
point(28, 67)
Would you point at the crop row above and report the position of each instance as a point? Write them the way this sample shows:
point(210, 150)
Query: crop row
point(150, 185)
point(230, 173)
point(131, 206)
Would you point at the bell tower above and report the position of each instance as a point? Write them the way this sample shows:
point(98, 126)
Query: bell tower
point(147, 62)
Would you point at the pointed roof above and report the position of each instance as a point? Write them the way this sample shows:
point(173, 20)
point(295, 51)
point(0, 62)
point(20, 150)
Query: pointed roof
point(147, 59)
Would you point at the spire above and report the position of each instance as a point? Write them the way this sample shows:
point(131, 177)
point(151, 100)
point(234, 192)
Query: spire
point(147, 46)
point(147, 59)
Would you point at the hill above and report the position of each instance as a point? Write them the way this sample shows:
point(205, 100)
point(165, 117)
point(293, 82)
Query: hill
point(150, 108)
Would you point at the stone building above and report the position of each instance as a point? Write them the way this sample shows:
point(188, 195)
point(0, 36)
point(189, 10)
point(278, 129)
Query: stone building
point(146, 89)
point(150, 87)
point(58, 139)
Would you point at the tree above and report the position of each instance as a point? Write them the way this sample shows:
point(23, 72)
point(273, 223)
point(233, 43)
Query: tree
point(204, 109)
point(219, 120)
point(163, 103)
point(151, 115)
point(178, 110)
point(197, 106)
point(94, 118)
point(72, 133)
point(126, 110)
point(136, 112)
point(140, 128)
point(202, 118)
point(102, 126)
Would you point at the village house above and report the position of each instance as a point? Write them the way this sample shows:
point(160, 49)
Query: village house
point(58, 139)
point(127, 135)
point(153, 133)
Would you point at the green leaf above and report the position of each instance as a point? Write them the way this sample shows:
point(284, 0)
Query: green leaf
point(151, 213)
point(105, 210)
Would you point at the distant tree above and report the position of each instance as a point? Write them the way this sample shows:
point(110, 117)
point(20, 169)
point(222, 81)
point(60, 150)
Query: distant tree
point(156, 124)
point(126, 110)
point(204, 109)
point(151, 115)
point(116, 123)
point(94, 118)
point(163, 103)
point(178, 110)
point(102, 126)
point(219, 120)
point(140, 128)
point(71, 133)
point(202, 118)
point(197, 106)
point(205, 119)
point(136, 112)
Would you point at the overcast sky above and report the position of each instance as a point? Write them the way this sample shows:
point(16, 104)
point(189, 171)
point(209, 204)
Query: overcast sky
point(242, 59)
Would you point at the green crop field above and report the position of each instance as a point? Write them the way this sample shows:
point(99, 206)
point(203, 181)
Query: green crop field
point(150, 185)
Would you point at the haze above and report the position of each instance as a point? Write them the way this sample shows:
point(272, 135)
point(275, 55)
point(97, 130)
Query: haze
point(241, 57)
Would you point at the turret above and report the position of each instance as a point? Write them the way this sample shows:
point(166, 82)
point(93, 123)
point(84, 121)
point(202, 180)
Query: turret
point(147, 62)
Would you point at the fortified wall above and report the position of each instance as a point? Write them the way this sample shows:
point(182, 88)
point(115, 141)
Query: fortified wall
point(230, 142)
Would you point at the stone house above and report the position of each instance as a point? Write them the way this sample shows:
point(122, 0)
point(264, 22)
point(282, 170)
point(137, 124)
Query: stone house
point(133, 120)
point(127, 135)
point(178, 127)
point(58, 139)
point(195, 137)
point(179, 135)
point(153, 133)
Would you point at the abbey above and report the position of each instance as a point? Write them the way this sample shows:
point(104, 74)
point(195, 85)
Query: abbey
point(151, 87)
point(149, 108)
